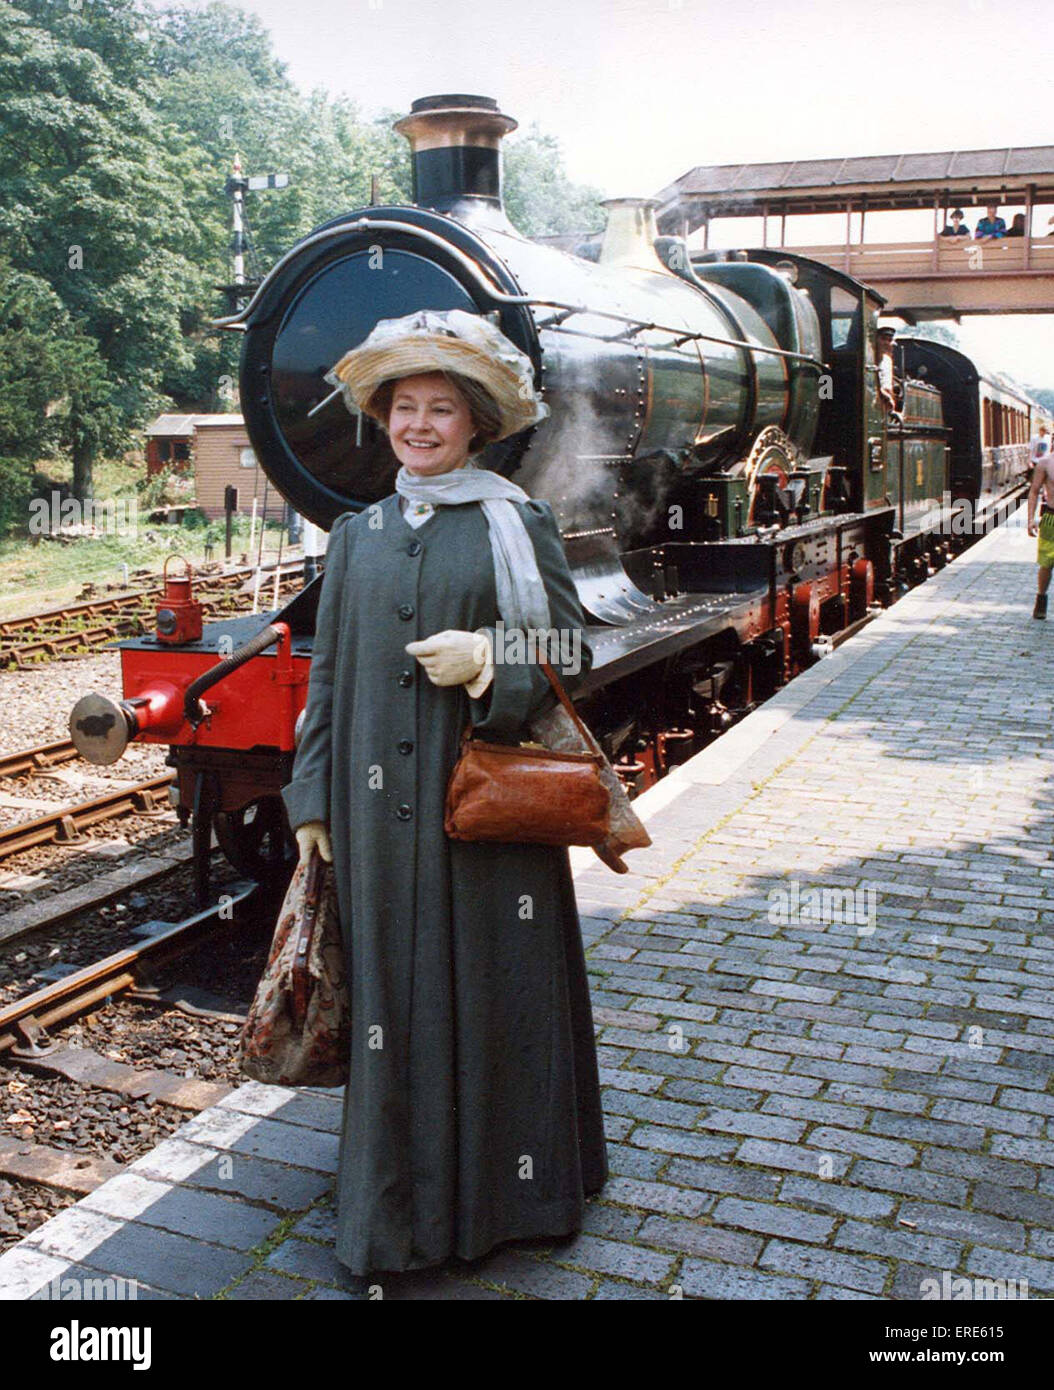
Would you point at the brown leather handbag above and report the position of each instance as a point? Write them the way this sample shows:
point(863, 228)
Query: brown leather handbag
point(298, 1029)
point(526, 794)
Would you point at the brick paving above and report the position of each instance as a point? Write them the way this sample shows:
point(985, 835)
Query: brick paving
point(824, 1012)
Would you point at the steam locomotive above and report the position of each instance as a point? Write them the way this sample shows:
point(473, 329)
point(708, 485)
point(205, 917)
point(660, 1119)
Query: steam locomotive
point(732, 495)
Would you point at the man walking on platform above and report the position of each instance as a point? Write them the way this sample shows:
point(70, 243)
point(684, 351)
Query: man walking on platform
point(1042, 487)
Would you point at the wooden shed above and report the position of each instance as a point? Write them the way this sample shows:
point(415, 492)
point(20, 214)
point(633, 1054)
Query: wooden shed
point(169, 442)
point(224, 456)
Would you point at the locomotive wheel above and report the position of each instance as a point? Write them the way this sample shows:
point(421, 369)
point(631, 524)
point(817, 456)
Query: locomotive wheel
point(255, 841)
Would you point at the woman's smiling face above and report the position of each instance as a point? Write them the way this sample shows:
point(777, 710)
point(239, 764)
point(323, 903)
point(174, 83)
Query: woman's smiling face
point(430, 424)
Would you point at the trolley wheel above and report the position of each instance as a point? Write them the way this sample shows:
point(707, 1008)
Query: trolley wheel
point(255, 839)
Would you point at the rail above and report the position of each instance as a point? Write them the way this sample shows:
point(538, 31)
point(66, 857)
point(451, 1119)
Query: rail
point(23, 1024)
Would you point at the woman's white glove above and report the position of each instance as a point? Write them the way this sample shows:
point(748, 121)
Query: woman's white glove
point(311, 834)
point(456, 658)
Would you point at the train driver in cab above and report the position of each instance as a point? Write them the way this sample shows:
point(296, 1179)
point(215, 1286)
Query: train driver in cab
point(884, 364)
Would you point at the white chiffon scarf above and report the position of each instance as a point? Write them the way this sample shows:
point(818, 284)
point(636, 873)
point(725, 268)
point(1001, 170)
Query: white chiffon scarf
point(522, 600)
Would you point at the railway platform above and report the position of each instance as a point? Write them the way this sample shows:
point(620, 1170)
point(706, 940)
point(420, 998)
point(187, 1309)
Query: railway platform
point(824, 1010)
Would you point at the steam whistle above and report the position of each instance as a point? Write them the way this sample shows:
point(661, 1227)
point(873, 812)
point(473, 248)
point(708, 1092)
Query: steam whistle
point(178, 613)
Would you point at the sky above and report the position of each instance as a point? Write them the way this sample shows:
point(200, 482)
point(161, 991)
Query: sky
point(640, 91)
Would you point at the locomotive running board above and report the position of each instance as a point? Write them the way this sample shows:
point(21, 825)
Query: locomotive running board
point(681, 623)
point(731, 585)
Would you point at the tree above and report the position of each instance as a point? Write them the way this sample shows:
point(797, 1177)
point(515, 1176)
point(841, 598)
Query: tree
point(936, 332)
point(94, 207)
point(187, 40)
point(38, 357)
point(539, 197)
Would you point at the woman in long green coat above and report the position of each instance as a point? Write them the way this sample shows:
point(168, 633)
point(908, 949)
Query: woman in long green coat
point(472, 1111)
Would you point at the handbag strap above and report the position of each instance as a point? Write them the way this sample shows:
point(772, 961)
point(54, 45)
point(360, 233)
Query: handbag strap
point(300, 976)
point(562, 696)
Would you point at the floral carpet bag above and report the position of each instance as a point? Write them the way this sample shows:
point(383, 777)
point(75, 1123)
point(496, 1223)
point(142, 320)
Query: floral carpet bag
point(298, 1029)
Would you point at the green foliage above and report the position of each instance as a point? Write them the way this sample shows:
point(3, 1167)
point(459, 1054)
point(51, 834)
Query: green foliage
point(85, 169)
point(152, 490)
point(192, 39)
point(937, 333)
point(539, 197)
point(40, 352)
point(16, 490)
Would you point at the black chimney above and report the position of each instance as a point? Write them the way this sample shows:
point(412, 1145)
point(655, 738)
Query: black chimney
point(456, 146)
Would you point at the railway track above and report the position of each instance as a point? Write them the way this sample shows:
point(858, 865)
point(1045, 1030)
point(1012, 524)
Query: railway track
point(45, 755)
point(84, 899)
point(24, 1024)
point(65, 823)
point(60, 631)
point(153, 1096)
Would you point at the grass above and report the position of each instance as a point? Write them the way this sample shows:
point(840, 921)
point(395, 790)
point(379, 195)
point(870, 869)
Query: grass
point(37, 573)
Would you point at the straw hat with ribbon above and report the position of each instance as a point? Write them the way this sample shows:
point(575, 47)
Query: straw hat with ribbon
point(449, 341)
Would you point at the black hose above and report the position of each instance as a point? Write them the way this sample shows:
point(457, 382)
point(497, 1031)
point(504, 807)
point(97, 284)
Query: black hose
point(263, 639)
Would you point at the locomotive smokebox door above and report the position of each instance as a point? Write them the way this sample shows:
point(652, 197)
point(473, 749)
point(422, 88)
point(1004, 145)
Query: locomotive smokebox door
point(178, 613)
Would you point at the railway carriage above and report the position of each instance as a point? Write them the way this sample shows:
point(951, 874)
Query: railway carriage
point(989, 420)
point(730, 493)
